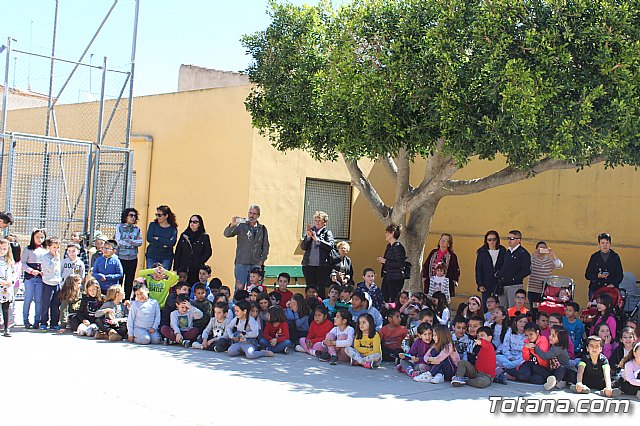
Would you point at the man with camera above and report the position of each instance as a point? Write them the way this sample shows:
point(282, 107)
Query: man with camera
point(252, 243)
point(604, 267)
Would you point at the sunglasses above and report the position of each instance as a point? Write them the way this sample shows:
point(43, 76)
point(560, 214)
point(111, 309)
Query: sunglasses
point(160, 214)
point(514, 238)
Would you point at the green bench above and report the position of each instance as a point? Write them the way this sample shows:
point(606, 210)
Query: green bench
point(272, 271)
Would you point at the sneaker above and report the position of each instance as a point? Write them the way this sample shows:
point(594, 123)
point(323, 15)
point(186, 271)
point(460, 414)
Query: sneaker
point(561, 384)
point(299, 348)
point(196, 345)
point(367, 365)
point(323, 356)
point(186, 343)
point(165, 341)
point(334, 360)
point(375, 365)
point(217, 349)
point(114, 336)
point(81, 332)
point(457, 381)
point(423, 378)
point(43, 328)
point(56, 328)
point(638, 394)
point(35, 326)
point(437, 379)
point(27, 326)
point(584, 389)
point(501, 379)
point(286, 350)
point(267, 353)
point(352, 362)
point(399, 369)
point(7, 333)
point(551, 383)
point(414, 373)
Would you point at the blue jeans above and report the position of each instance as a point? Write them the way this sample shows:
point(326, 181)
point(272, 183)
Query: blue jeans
point(530, 372)
point(241, 272)
point(50, 302)
point(505, 363)
point(279, 347)
point(166, 264)
point(32, 293)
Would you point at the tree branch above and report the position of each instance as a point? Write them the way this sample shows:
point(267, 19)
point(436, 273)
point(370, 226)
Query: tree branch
point(360, 181)
point(389, 165)
point(403, 171)
point(439, 168)
point(506, 176)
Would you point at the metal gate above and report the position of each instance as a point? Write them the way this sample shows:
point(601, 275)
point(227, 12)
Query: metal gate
point(52, 183)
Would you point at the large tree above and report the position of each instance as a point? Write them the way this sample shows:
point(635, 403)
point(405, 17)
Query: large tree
point(545, 84)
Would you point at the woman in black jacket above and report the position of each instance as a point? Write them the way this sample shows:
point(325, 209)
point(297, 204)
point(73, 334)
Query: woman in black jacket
point(193, 249)
point(317, 245)
point(489, 260)
point(393, 262)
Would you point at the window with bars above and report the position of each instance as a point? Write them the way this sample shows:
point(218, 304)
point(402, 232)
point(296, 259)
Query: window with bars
point(333, 198)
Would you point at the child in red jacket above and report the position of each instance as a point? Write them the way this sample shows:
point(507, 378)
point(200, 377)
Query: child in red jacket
point(534, 369)
point(275, 336)
point(483, 372)
point(318, 330)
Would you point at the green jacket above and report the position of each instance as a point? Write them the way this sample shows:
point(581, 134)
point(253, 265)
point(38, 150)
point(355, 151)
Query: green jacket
point(159, 290)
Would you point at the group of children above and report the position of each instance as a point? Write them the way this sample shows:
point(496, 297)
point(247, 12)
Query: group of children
point(480, 345)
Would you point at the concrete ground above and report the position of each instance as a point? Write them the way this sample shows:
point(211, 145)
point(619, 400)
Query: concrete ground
point(54, 379)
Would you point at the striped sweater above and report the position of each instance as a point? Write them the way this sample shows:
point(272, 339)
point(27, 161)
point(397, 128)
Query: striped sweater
point(540, 270)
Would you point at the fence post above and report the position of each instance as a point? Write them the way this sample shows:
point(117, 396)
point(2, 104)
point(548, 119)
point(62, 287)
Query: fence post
point(9, 182)
point(96, 156)
point(5, 98)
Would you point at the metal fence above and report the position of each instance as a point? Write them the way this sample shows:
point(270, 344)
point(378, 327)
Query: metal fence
point(53, 183)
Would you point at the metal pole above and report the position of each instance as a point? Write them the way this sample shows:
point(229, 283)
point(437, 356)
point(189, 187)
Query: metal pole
point(12, 143)
point(53, 54)
point(85, 52)
point(96, 155)
point(5, 94)
point(133, 66)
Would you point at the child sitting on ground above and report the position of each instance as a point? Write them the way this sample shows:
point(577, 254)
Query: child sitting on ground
point(213, 335)
point(275, 336)
point(111, 318)
point(439, 282)
point(500, 326)
point(338, 339)
point(413, 361)
point(604, 308)
point(441, 307)
point(159, 282)
point(144, 317)
point(180, 328)
point(631, 375)
point(170, 303)
point(594, 372)
point(204, 273)
point(70, 298)
point(201, 302)
point(369, 286)
point(297, 314)
point(391, 336)
point(442, 357)
point(345, 298)
point(243, 331)
point(366, 350)
point(574, 326)
point(331, 303)
point(627, 339)
point(264, 303)
point(555, 320)
point(543, 323)
point(510, 355)
point(423, 318)
point(285, 295)
point(90, 303)
point(492, 304)
point(459, 336)
point(255, 280)
point(558, 357)
point(318, 330)
point(107, 269)
point(519, 308)
point(608, 344)
point(534, 369)
point(482, 373)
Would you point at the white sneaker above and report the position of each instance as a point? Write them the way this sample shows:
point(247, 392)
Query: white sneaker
point(438, 378)
point(196, 345)
point(551, 383)
point(299, 348)
point(423, 378)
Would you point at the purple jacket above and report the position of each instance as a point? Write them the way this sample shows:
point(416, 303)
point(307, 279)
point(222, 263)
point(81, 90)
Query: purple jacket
point(419, 349)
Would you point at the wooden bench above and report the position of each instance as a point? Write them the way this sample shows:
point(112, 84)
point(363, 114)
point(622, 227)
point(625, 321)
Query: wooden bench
point(272, 271)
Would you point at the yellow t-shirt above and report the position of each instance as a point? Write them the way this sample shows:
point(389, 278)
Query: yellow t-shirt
point(367, 346)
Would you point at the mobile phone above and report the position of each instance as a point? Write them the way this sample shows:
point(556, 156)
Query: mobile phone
point(544, 250)
point(242, 220)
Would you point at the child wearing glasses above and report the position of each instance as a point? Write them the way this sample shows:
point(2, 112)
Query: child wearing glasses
point(108, 270)
point(519, 308)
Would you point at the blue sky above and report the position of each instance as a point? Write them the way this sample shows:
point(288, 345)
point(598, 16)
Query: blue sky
point(197, 32)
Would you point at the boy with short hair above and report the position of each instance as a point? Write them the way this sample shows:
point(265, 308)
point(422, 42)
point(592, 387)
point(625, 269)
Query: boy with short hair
point(519, 308)
point(482, 373)
point(204, 273)
point(183, 274)
point(255, 280)
point(391, 336)
point(181, 329)
point(107, 269)
point(459, 336)
point(285, 295)
point(473, 325)
point(144, 317)
point(200, 301)
point(369, 286)
point(253, 294)
point(360, 306)
point(345, 298)
point(213, 335)
point(99, 244)
point(159, 281)
point(214, 288)
point(594, 371)
point(311, 292)
point(574, 326)
point(543, 323)
point(171, 301)
point(72, 264)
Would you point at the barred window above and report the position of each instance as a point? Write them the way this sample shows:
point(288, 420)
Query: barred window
point(333, 198)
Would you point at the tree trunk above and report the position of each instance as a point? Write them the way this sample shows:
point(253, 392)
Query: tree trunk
point(414, 238)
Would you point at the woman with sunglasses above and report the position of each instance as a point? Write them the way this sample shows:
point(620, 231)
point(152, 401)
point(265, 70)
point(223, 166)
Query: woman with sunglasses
point(193, 249)
point(489, 260)
point(162, 235)
point(129, 238)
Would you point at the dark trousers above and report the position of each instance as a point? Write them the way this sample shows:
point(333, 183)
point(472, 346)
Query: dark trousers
point(391, 289)
point(530, 372)
point(389, 354)
point(121, 328)
point(5, 314)
point(447, 368)
point(534, 299)
point(566, 374)
point(629, 389)
point(129, 269)
point(50, 303)
point(74, 322)
point(317, 276)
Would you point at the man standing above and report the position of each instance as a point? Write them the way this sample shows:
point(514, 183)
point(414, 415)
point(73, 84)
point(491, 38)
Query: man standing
point(516, 266)
point(604, 267)
point(252, 246)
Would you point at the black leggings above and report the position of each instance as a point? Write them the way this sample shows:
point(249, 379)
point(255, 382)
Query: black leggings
point(5, 314)
point(318, 276)
point(129, 269)
point(121, 328)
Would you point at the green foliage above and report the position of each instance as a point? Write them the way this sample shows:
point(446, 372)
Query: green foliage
point(526, 79)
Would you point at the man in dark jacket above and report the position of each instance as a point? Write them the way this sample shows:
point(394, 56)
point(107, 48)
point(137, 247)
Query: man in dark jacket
point(516, 266)
point(604, 267)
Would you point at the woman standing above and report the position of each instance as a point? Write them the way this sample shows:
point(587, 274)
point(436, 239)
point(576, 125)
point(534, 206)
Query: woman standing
point(161, 236)
point(31, 259)
point(193, 249)
point(392, 262)
point(129, 238)
point(443, 254)
point(343, 268)
point(489, 260)
point(543, 262)
point(317, 245)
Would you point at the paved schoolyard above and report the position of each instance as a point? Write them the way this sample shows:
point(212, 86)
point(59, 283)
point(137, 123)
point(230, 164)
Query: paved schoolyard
point(55, 379)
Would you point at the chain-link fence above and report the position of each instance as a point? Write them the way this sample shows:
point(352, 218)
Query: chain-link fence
point(52, 183)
